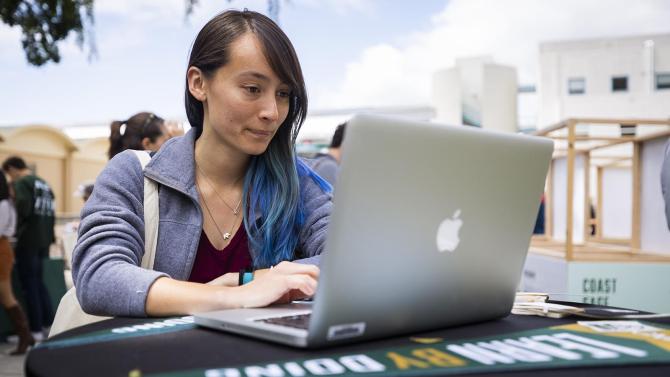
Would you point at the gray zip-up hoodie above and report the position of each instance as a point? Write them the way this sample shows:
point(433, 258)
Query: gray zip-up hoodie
point(106, 259)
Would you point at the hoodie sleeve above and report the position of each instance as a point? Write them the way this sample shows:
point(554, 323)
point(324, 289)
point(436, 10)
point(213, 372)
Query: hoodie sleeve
point(106, 260)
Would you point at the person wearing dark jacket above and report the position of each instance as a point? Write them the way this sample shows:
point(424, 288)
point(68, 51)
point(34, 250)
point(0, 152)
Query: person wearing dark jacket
point(327, 165)
point(34, 201)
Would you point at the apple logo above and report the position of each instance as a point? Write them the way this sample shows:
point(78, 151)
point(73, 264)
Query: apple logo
point(447, 233)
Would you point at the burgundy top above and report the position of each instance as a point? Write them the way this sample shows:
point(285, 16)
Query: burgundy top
point(211, 263)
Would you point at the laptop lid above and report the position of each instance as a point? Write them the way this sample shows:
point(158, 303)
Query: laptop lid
point(430, 228)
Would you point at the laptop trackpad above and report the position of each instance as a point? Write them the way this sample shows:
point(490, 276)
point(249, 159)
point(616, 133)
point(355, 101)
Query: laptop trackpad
point(294, 315)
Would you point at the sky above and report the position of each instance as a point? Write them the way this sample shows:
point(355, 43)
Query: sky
point(354, 53)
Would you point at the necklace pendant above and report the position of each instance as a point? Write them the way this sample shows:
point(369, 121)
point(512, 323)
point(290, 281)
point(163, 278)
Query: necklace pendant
point(226, 236)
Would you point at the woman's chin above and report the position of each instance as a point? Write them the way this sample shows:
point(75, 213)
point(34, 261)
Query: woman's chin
point(255, 149)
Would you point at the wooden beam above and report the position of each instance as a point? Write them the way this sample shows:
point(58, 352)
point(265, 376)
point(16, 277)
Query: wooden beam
point(587, 198)
point(652, 136)
point(637, 191)
point(599, 208)
point(637, 139)
point(548, 206)
point(612, 157)
point(564, 152)
point(616, 164)
point(597, 138)
point(552, 128)
point(597, 253)
point(615, 121)
point(611, 143)
point(615, 241)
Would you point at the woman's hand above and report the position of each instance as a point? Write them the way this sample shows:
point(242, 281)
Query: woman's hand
point(284, 283)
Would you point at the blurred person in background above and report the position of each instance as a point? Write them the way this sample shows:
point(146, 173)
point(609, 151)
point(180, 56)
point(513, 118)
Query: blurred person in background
point(7, 299)
point(86, 192)
point(35, 213)
point(142, 131)
point(327, 165)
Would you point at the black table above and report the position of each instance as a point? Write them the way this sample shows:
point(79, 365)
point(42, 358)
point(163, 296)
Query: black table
point(202, 348)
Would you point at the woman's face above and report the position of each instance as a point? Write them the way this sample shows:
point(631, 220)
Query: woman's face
point(155, 145)
point(245, 100)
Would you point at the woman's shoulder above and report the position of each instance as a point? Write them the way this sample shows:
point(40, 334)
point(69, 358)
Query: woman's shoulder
point(125, 161)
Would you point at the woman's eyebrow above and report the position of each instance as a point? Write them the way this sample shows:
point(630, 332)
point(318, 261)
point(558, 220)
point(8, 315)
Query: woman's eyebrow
point(259, 76)
point(256, 75)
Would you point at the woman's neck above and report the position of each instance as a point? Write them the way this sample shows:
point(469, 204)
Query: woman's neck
point(221, 164)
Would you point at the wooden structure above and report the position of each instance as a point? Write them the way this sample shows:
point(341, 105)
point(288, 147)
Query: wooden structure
point(583, 145)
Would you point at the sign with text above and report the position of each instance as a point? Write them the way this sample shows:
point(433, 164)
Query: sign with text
point(587, 343)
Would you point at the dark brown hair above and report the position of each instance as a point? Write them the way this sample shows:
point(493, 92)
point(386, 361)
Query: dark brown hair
point(338, 136)
point(128, 134)
point(210, 51)
point(4, 187)
point(15, 162)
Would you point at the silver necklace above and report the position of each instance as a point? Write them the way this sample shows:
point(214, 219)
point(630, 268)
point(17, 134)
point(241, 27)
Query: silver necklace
point(209, 182)
point(226, 236)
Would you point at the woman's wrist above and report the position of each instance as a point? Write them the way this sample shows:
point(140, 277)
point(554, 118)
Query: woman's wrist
point(173, 297)
point(246, 275)
point(226, 280)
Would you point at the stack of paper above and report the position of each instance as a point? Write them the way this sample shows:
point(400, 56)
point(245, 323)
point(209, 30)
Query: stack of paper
point(545, 309)
point(529, 303)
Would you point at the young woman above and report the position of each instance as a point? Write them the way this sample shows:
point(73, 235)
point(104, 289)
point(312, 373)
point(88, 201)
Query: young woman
point(142, 131)
point(7, 299)
point(233, 194)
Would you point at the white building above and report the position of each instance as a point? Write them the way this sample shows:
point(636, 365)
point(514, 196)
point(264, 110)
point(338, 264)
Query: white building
point(611, 77)
point(320, 124)
point(626, 78)
point(477, 92)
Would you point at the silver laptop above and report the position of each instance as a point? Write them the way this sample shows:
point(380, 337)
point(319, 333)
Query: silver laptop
point(430, 228)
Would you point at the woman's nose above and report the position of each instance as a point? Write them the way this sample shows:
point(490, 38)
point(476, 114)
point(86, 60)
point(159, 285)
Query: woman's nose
point(270, 109)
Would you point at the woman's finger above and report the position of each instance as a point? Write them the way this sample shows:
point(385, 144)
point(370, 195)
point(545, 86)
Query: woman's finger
point(304, 283)
point(298, 268)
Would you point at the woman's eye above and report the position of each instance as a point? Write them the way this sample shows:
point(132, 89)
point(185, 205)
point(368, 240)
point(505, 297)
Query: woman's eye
point(283, 94)
point(252, 89)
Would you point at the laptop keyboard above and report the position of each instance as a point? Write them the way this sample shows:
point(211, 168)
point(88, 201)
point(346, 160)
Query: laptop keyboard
point(300, 321)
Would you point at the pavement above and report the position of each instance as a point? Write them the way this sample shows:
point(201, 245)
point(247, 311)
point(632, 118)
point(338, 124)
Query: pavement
point(10, 366)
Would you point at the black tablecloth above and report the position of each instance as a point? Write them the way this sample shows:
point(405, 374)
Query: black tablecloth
point(202, 348)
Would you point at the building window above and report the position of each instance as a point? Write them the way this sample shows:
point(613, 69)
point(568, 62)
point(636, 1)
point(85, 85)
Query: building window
point(576, 86)
point(620, 83)
point(663, 81)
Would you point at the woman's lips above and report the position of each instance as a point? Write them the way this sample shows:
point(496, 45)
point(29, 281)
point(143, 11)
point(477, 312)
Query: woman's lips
point(260, 133)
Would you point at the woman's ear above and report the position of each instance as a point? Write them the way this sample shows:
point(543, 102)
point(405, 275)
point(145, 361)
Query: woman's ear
point(196, 83)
